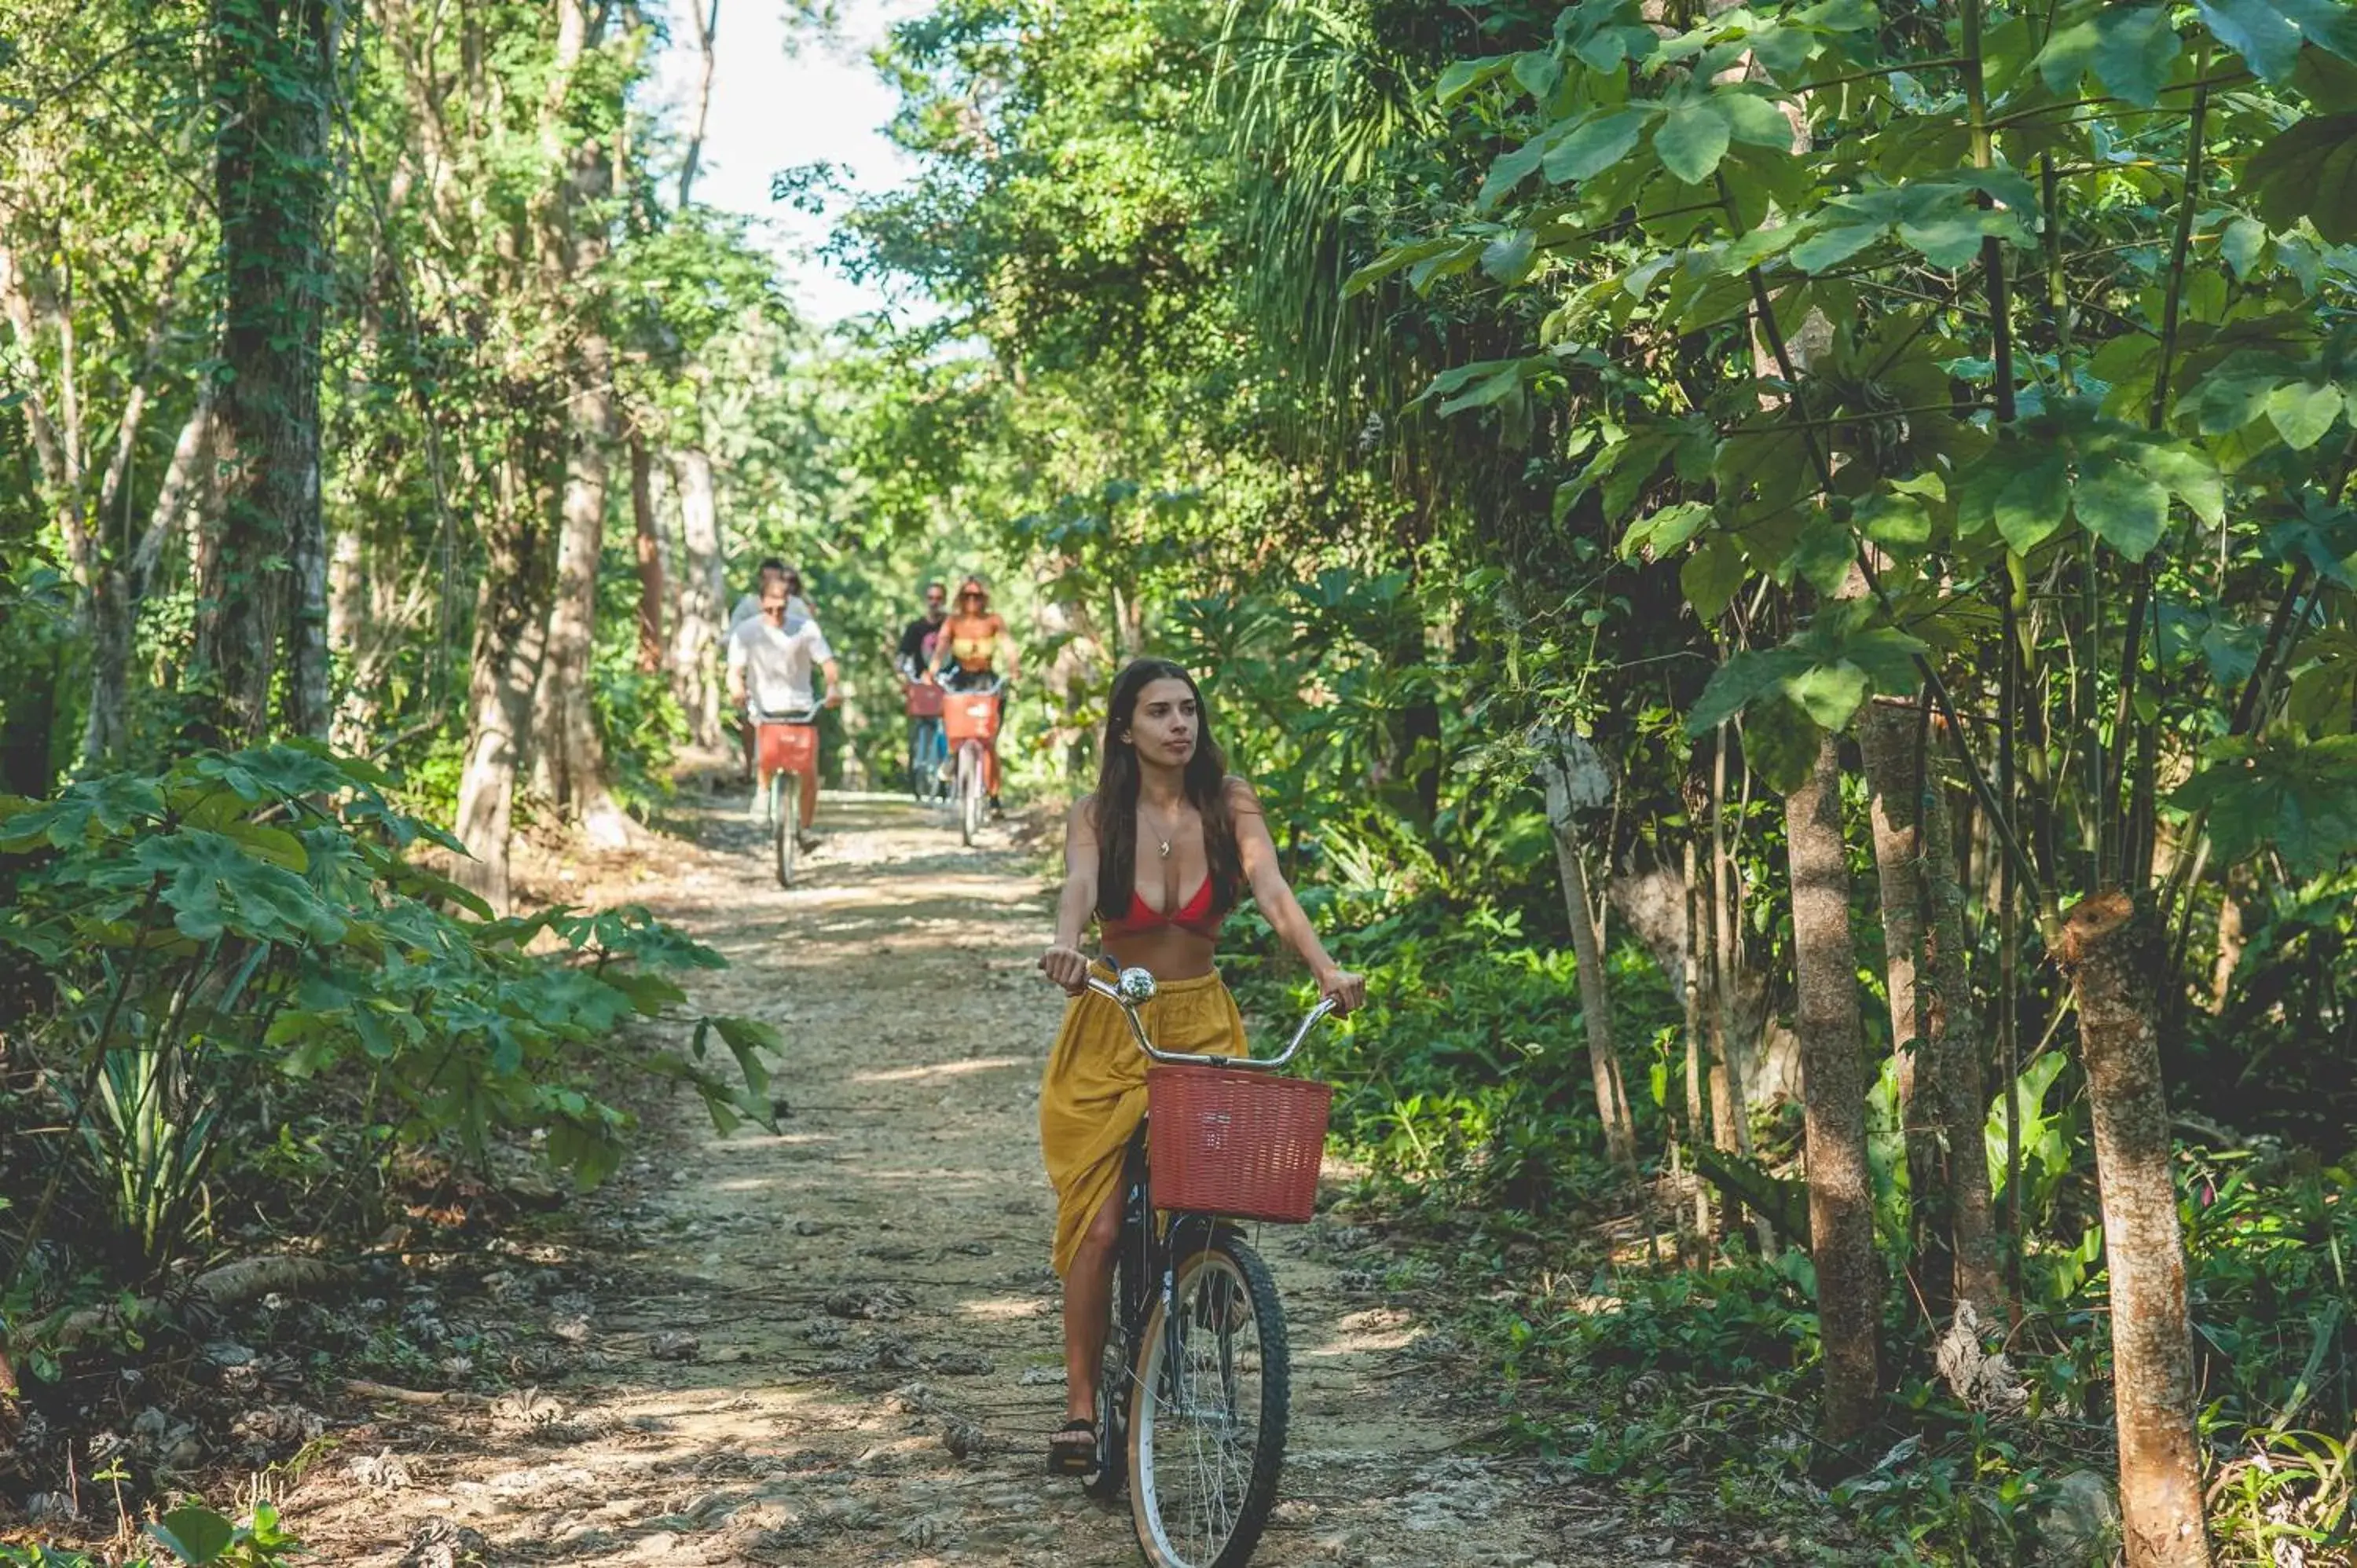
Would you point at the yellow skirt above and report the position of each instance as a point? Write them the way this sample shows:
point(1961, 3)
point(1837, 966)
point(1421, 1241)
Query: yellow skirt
point(1094, 1092)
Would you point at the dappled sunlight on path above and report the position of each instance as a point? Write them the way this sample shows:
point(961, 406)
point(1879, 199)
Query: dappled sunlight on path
point(839, 1343)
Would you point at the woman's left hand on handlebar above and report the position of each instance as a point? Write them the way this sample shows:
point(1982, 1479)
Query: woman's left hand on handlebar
point(1347, 990)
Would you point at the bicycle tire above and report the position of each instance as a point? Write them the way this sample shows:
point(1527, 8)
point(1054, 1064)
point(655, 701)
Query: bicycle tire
point(969, 792)
point(785, 811)
point(1177, 1528)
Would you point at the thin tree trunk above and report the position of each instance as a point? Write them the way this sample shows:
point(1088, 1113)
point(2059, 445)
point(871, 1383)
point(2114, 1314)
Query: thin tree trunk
point(123, 590)
point(696, 640)
point(272, 88)
point(1697, 966)
point(2112, 948)
point(568, 759)
point(511, 620)
point(1595, 1004)
point(1933, 1058)
point(708, 30)
point(651, 555)
point(1841, 1192)
point(1576, 779)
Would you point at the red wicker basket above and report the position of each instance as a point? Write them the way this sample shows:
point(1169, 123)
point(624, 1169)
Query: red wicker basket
point(1245, 1145)
point(788, 749)
point(922, 699)
point(971, 716)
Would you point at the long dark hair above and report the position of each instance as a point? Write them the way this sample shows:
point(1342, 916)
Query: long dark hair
point(1206, 787)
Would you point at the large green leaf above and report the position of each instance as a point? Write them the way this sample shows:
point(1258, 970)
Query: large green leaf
point(1831, 247)
point(1780, 742)
point(2308, 170)
point(1596, 145)
point(2288, 794)
point(2130, 48)
point(2033, 504)
point(1692, 139)
point(2302, 412)
point(2121, 504)
point(2258, 30)
point(194, 1534)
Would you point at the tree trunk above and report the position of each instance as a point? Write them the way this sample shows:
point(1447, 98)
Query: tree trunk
point(568, 759)
point(1841, 1192)
point(708, 31)
point(1934, 1056)
point(2111, 949)
point(651, 555)
point(1697, 966)
point(696, 640)
point(510, 619)
point(1576, 779)
point(273, 82)
point(123, 590)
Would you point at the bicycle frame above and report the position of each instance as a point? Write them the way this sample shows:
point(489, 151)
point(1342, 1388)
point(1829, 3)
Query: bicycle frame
point(1146, 1256)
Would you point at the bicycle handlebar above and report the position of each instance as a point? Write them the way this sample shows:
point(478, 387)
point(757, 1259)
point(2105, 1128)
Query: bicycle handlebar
point(1133, 986)
point(805, 716)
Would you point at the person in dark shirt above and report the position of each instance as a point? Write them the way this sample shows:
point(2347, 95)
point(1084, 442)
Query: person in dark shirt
point(916, 654)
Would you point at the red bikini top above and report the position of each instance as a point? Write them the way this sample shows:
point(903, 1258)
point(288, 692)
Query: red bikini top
point(1196, 915)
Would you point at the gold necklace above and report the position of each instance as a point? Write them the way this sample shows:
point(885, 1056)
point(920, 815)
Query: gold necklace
point(1161, 842)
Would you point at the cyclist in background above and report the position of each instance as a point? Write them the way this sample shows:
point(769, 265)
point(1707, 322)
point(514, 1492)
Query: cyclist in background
point(748, 608)
point(965, 656)
point(917, 639)
point(1158, 856)
point(769, 661)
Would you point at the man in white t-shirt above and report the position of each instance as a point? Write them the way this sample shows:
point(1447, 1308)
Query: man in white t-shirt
point(771, 658)
point(774, 570)
point(748, 608)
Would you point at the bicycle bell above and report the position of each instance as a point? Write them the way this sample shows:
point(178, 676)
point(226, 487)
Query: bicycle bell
point(1135, 985)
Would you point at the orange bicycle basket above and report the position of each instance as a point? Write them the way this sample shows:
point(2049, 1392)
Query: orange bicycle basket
point(1244, 1145)
point(789, 748)
point(971, 716)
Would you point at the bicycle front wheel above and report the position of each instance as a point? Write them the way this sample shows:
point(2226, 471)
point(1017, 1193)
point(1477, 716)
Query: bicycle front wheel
point(1207, 1412)
point(971, 803)
point(786, 811)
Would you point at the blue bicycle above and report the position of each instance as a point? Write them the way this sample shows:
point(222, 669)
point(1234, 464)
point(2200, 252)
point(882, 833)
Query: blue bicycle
point(929, 743)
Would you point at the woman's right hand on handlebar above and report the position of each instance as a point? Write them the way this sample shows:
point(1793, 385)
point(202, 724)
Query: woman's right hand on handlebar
point(1067, 967)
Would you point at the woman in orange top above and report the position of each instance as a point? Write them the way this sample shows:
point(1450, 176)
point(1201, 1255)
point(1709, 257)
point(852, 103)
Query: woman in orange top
point(1166, 847)
point(966, 652)
point(965, 655)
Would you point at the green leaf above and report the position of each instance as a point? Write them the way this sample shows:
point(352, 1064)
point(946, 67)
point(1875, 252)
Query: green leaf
point(2308, 170)
point(1830, 694)
point(2302, 412)
point(1511, 169)
point(195, 1534)
point(1899, 523)
point(2289, 794)
point(1537, 72)
point(2130, 48)
point(1743, 680)
point(1463, 76)
point(1507, 258)
point(1692, 139)
point(1756, 120)
point(1673, 525)
point(2123, 506)
point(1596, 145)
point(1711, 576)
point(1781, 742)
point(1831, 247)
point(2258, 30)
point(2033, 505)
point(2194, 479)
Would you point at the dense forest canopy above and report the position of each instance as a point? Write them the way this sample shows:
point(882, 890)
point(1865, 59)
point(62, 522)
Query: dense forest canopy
point(1784, 571)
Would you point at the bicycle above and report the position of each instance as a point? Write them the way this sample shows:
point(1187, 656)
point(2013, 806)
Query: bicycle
point(928, 746)
point(785, 747)
point(1193, 1397)
point(970, 718)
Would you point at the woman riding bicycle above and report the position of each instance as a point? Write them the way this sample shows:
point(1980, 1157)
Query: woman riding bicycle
point(965, 656)
point(1158, 855)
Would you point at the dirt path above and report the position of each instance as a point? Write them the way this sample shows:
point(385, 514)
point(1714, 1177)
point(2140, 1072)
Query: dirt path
point(840, 1344)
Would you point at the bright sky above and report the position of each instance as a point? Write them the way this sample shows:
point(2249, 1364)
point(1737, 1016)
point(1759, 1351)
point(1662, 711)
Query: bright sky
point(782, 99)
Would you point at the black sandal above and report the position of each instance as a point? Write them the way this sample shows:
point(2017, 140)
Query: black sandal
point(1073, 1449)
